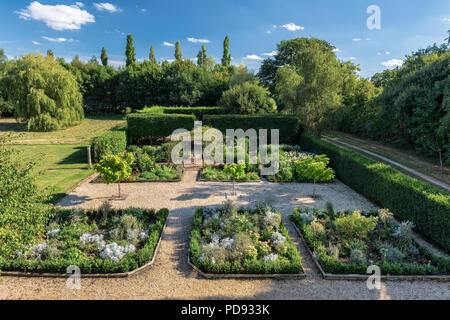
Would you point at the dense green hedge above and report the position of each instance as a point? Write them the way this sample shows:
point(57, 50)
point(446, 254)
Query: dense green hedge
point(288, 125)
point(408, 198)
point(130, 262)
point(157, 125)
point(112, 142)
point(198, 112)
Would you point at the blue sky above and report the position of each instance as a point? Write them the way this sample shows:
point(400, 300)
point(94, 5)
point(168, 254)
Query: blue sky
point(255, 27)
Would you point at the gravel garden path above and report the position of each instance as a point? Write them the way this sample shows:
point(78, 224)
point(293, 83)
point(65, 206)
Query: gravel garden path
point(171, 277)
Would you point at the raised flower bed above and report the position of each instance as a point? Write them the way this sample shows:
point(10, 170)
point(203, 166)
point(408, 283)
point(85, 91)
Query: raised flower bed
point(216, 173)
point(102, 243)
point(228, 242)
point(345, 244)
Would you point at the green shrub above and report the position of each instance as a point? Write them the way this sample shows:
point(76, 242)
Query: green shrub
point(153, 126)
point(198, 112)
point(112, 142)
point(355, 226)
point(288, 125)
point(247, 98)
point(408, 198)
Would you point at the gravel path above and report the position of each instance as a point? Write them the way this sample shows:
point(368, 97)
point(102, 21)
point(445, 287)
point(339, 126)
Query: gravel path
point(171, 277)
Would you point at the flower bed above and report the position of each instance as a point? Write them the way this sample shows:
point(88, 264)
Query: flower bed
point(228, 241)
point(102, 241)
point(288, 173)
point(216, 173)
point(349, 242)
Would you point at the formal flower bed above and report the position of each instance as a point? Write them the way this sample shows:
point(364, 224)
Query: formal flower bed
point(228, 240)
point(349, 242)
point(291, 159)
point(216, 173)
point(102, 241)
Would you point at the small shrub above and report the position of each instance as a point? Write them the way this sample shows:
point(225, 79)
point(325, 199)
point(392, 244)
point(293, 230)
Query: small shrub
point(355, 226)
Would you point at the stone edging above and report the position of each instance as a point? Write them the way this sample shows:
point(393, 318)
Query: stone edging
point(89, 276)
point(299, 276)
point(330, 276)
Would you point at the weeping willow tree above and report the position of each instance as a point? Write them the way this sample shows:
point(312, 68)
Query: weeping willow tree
point(46, 96)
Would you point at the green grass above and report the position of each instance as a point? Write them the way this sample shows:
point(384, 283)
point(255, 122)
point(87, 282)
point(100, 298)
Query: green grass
point(61, 155)
point(90, 127)
point(407, 158)
point(61, 167)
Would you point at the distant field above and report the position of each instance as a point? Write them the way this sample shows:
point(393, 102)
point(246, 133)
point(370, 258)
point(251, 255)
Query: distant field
point(90, 128)
point(61, 155)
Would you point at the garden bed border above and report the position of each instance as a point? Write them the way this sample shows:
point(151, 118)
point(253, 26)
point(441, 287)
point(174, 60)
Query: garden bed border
point(88, 276)
point(240, 276)
point(359, 277)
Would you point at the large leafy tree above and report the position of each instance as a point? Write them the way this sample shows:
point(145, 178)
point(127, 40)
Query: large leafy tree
point(46, 96)
point(247, 98)
point(6, 107)
point(130, 52)
point(202, 56)
point(104, 57)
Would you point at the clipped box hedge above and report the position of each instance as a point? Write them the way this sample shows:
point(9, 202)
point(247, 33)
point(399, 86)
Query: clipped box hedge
point(144, 125)
point(408, 198)
point(111, 142)
point(288, 125)
point(198, 112)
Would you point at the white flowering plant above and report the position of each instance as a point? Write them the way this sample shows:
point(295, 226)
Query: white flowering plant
point(97, 241)
point(229, 240)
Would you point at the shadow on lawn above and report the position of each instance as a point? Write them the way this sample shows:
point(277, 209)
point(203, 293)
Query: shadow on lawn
point(79, 156)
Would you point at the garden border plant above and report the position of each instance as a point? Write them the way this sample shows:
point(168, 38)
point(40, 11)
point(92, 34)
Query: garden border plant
point(352, 271)
point(253, 268)
point(408, 198)
point(95, 268)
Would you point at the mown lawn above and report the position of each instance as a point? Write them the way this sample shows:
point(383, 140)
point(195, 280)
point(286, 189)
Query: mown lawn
point(62, 155)
point(90, 128)
point(59, 167)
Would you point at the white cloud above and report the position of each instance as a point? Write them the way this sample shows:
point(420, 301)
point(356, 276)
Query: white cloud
point(335, 50)
point(253, 57)
point(357, 39)
point(446, 19)
point(143, 10)
point(270, 54)
point(292, 27)
point(35, 43)
point(368, 39)
point(388, 52)
point(393, 63)
point(58, 17)
point(106, 6)
point(194, 40)
point(58, 39)
point(168, 44)
point(352, 58)
point(79, 4)
point(116, 63)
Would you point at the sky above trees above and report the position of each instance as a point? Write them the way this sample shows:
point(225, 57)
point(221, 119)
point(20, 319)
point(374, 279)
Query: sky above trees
point(82, 28)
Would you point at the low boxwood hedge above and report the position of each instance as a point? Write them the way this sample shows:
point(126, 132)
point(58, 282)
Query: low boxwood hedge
point(131, 261)
point(289, 126)
point(408, 198)
point(198, 112)
point(145, 125)
point(111, 142)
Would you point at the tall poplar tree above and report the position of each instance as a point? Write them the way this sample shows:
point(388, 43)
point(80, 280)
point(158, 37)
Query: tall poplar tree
point(226, 59)
point(178, 53)
point(201, 57)
point(152, 54)
point(104, 57)
point(130, 53)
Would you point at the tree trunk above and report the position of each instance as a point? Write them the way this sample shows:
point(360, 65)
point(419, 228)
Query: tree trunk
point(119, 190)
point(234, 187)
point(440, 159)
